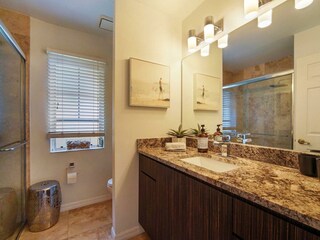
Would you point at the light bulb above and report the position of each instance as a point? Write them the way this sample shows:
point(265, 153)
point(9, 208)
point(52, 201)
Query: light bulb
point(208, 30)
point(205, 51)
point(192, 41)
point(265, 19)
point(251, 8)
point(300, 4)
point(223, 41)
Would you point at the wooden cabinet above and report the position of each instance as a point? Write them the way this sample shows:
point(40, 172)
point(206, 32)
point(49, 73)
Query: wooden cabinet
point(252, 223)
point(154, 208)
point(190, 207)
point(173, 205)
point(220, 215)
point(176, 206)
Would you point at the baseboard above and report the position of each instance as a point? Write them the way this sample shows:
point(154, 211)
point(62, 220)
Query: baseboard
point(85, 202)
point(132, 232)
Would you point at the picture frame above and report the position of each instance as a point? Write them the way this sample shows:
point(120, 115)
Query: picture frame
point(149, 84)
point(206, 92)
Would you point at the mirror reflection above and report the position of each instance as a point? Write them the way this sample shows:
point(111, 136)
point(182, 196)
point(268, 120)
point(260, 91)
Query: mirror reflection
point(257, 72)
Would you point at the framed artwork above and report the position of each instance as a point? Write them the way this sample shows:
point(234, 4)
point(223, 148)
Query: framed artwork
point(149, 84)
point(207, 92)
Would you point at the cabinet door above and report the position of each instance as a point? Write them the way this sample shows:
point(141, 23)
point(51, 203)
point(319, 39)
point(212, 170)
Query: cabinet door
point(221, 215)
point(147, 207)
point(190, 204)
point(164, 182)
point(252, 223)
point(154, 186)
point(297, 233)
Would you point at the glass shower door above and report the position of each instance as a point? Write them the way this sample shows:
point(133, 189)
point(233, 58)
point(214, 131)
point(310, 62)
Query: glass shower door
point(262, 108)
point(12, 139)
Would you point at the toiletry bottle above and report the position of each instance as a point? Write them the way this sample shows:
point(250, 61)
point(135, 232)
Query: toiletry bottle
point(224, 150)
point(218, 132)
point(203, 140)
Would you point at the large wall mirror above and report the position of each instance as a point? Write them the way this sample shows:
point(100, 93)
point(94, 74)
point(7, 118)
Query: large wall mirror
point(251, 86)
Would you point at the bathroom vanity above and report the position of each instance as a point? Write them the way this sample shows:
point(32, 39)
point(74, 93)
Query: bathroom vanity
point(257, 200)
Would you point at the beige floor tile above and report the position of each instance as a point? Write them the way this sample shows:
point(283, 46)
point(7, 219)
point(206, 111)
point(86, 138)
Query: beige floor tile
point(89, 235)
point(57, 232)
point(142, 236)
point(80, 227)
point(92, 222)
point(89, 218)
point(91, 213)
point(104, 233)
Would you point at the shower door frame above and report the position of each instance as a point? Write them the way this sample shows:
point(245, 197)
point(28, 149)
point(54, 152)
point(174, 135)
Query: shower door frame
point(23, 74)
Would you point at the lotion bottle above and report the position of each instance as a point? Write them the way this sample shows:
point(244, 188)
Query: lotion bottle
point(203, 140)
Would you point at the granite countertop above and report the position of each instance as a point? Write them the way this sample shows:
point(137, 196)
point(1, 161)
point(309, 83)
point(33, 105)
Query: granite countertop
point(281, 189)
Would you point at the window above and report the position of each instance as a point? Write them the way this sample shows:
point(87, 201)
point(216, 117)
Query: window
point(228, 109)
point(76, 102)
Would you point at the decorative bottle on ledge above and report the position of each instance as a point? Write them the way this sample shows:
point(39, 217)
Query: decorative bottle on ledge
point(203, 140)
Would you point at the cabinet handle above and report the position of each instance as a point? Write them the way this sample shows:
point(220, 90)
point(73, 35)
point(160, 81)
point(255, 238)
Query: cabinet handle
point(303, 142)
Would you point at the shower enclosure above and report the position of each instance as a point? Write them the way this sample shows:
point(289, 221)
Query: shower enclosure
point(261, 107)
point(12, 137)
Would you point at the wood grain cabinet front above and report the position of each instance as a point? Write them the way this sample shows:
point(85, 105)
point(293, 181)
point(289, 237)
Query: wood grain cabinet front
point(173, 205)
point(176, 206)
point(252, 223)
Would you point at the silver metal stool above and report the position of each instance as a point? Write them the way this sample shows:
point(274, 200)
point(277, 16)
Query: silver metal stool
point(43, 207)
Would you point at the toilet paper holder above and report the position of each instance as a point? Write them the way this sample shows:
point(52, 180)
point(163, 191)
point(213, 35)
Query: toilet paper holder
point(72, 175)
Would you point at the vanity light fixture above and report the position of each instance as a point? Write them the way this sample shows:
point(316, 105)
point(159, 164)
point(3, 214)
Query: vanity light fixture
point(265, 19)
point(204, 52)
point(192, 41)
point(300, 4)
point(203, 39)
point(223, 41)
point(251, 8)
point(208, 29)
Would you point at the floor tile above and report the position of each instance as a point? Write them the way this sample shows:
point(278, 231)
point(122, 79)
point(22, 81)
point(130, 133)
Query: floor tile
point(104, 233)
point(57, 232)
point(88, 235)
point(92, 222)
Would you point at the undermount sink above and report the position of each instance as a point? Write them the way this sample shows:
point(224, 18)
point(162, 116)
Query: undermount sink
point(211, 164)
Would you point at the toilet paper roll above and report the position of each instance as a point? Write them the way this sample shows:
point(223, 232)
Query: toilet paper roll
point(72, 177)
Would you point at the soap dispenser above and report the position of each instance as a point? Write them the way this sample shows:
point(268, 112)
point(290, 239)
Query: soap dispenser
point(203, 140)
point(218, 131)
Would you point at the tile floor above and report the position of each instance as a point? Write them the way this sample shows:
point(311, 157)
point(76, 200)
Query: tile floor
point(92, 222)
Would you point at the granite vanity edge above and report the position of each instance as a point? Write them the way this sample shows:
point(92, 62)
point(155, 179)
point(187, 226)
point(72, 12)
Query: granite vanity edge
point(282, 210)
point(278, 156)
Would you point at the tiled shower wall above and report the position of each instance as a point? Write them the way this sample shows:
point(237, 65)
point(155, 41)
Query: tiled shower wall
point(264, 110)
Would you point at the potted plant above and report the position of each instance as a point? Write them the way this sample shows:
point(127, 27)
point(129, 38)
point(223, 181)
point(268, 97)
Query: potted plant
point(179, 135)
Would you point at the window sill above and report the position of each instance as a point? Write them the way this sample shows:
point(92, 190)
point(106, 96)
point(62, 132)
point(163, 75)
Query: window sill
point(64, 150)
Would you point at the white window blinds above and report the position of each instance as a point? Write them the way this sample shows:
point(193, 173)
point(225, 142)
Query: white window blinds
point(228, 109)
point(76, 96)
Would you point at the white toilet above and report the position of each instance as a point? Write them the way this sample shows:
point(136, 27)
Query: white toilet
point(109, 185)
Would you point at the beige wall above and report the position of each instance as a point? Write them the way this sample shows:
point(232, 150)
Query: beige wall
point(94, 167)
point(307, 42)
point(149, 34)
point(211, 66)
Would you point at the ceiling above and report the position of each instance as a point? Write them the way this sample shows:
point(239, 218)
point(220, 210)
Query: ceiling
point(180, 9)
point(83, 15)
point(250, 45)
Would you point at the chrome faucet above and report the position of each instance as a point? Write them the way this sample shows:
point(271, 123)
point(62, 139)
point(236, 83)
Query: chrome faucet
point(243, 138)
